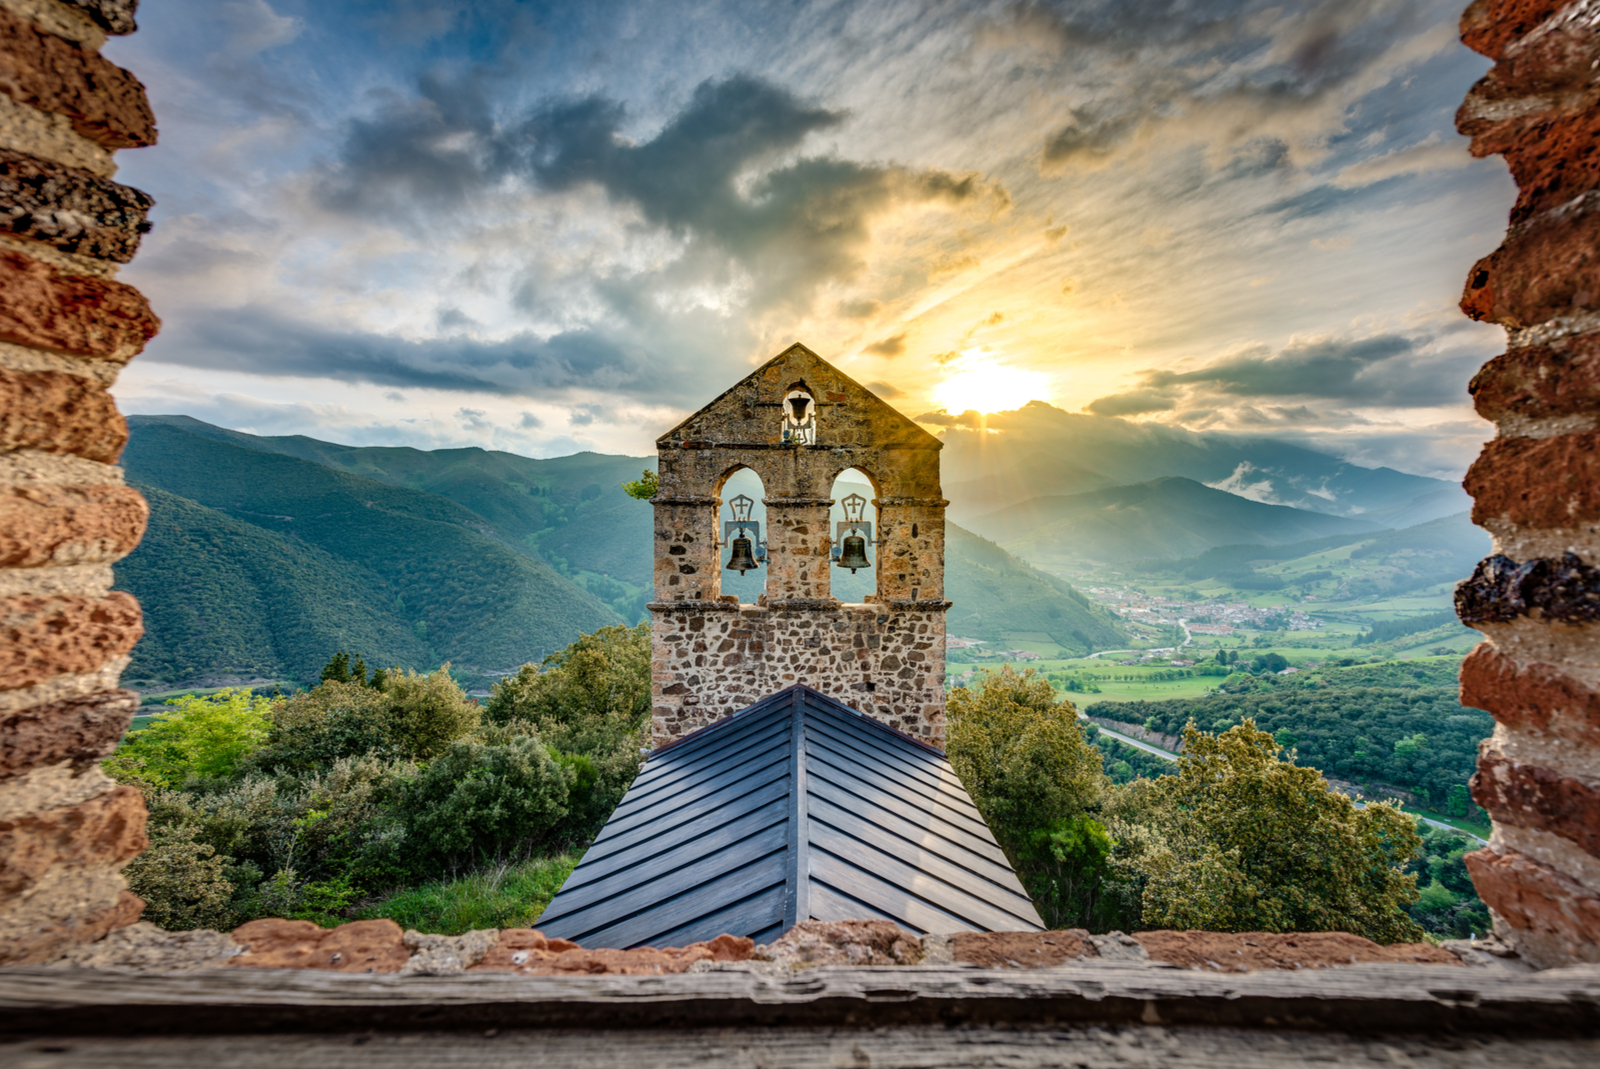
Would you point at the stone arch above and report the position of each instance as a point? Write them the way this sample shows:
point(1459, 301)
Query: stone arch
point(742, 480)
point(847, 586)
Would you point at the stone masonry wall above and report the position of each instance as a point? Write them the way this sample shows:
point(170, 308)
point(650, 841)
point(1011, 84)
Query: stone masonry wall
point(1536, 487)
point(66, 327)
point(887, 664)
point(713, 656)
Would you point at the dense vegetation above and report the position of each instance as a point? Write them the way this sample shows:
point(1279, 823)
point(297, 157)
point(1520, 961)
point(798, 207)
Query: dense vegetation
point(1236, 839)
point(1395, 725)
point(387, 795)
point(425, 564)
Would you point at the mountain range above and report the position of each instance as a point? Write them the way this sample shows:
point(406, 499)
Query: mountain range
point(265, 555)
point(1168, 517)
point(1042, 451)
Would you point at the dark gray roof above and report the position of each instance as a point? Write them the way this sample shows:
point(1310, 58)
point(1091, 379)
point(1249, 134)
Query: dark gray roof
point(795, 808)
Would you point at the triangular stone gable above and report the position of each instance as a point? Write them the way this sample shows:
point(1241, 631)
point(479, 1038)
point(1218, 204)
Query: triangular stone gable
point(750, 411)
point(795, 808)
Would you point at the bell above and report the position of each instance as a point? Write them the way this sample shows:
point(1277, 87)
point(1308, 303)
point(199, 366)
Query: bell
point(742, 561)
point(855, 554)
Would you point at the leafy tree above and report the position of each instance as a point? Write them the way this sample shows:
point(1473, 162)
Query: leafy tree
point(1239, 840)
point(197, 737)
point(1024, 760)
point(428, 712)
point(337, 670)
point(644, 487)
point(380, 677)
point(358, 671)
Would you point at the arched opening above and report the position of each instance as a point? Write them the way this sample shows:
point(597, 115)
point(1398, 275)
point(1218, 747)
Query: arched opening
point(852, 495)
point(742, 493)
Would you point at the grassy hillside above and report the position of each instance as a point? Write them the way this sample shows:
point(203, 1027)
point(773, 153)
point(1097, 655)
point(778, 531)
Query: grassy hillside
point(994, 595)
point(445, 572)
point(1171, 517)
point(228, 602)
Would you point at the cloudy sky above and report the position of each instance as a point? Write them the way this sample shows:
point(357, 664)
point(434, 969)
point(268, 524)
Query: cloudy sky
point(545, 228)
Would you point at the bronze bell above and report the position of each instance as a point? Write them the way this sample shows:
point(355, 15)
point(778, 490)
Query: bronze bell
point(742, 561)
point(855, 554)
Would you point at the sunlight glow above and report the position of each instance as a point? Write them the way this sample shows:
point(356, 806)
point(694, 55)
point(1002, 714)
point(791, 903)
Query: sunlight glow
point(983, 384)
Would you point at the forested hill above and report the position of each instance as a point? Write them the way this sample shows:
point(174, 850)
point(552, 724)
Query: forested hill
point(424, 565)
point(567, 508)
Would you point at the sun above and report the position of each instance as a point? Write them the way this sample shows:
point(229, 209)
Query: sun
point(986, 385)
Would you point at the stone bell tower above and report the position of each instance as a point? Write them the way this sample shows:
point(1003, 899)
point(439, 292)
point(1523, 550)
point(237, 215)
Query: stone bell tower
point(798, 422)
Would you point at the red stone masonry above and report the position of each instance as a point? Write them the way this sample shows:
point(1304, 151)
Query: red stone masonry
point(66, 328)
point(1536, 487)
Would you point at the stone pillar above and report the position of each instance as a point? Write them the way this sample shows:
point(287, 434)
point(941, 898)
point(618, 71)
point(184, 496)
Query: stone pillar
point(911, 557)
point(687, 564)
point(798, 542)
point(1536, 487)
point(66, 328)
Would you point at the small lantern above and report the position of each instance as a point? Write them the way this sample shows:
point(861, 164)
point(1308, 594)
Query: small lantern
point(850, 550)
point(748, 549)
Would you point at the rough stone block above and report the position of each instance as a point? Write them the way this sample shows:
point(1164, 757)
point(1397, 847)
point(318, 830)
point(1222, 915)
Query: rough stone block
point(103, 832)
point(103, 102)
point(41, 637)
point(359, 946)
point(50, 936)
point(69, 524)
point(80, 730)
point(1541, 381)
point(113, 16)
point(55, 412)
point(1532, 797)
point(1537, 482)
point(1500, 590)
point(94, 317)
point(1554, 921)
point(1488, 26)
point(1536, 698)
point(1538, 274)
point(70, 209)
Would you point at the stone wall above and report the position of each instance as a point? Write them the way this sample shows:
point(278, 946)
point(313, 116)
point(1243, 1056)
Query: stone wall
point(66, 327)
point(1536, 487)
point(713, 656)
point(887, 663)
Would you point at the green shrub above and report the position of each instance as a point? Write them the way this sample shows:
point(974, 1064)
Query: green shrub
point(478, 802)
point(413, 717)
point(591, 704)
point(198, 737)
point(427, 712)
point(181, 880)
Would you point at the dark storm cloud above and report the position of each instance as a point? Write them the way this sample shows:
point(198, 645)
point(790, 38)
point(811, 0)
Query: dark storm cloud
point(435, 150)
point(255, 338)
point(1386, 369)
point(701, 176)
point(793, 226)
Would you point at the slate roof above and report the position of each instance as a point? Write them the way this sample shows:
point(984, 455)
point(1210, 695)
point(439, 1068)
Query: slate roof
point(797, 807)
